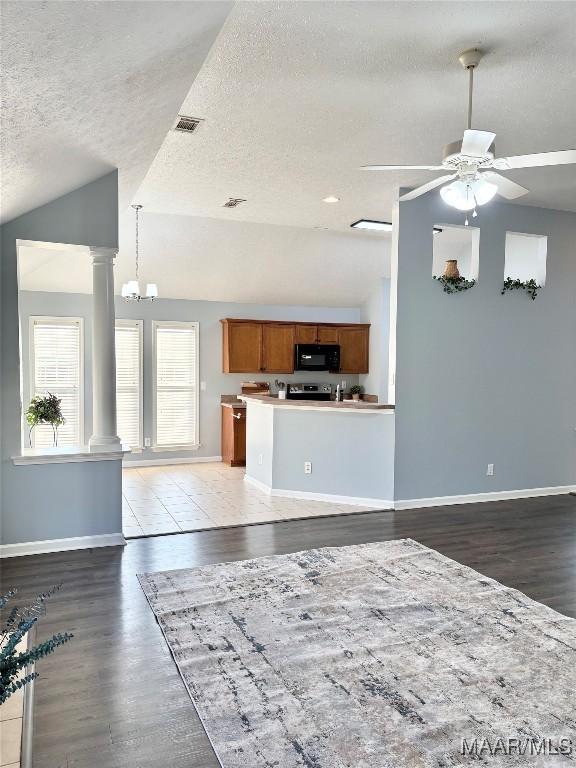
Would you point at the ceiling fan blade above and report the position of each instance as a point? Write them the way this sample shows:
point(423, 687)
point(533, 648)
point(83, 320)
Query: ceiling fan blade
point(506, 187)
point(477, 143)
point(564, 157)
point(401, 167)
point(427, 187)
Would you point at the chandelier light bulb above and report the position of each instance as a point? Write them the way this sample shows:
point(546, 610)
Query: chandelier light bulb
point(151, 291)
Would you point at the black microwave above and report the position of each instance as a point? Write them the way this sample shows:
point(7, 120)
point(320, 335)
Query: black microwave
point(317, 357)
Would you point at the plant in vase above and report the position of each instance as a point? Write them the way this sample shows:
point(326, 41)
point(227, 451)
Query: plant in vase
point(17, 623)
point(452, 281)
point(45, 409)
point(355, 391)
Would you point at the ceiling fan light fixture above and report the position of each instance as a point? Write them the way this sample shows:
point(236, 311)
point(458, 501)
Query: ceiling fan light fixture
point(465, 195)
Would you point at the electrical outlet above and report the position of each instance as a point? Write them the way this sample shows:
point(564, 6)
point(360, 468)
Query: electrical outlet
point(260, 459)
point(203, 386)
point(490, 470)
point(343, 384)
point(307, 467)
point(147, 442)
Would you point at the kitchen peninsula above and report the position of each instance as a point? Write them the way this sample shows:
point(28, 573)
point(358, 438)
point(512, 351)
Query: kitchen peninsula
point(328, 451)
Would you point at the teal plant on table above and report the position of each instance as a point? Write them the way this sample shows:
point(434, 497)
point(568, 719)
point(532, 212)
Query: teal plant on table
point(530, 286)
point(15, 626)
point(356, 390)
point(45, 409)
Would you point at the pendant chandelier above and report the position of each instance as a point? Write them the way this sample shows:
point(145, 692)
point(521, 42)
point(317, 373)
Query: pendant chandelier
point(131, 289)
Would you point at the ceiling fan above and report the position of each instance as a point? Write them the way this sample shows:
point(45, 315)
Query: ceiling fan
point(471, 161)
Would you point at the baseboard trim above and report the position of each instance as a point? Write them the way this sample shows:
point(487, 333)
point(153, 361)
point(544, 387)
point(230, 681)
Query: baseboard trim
point(356, 501)
point(61, 545)
point(166, 462)
point(476, 498)
point(434, 501)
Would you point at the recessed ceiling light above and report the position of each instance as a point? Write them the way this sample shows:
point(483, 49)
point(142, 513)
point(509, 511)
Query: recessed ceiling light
point(379, 226)
point(331, 199)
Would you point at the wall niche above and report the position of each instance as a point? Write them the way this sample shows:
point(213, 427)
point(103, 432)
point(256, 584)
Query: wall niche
point(455, 256)
point(525, 257)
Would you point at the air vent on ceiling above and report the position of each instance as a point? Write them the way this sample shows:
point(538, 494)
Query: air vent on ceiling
point(232, 202)
point(187, 124)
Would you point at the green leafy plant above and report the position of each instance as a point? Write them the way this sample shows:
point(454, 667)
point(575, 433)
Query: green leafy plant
point(16, 625)
point(45, 409)
point(356, 389)
point(454, 284)
point(530, 286)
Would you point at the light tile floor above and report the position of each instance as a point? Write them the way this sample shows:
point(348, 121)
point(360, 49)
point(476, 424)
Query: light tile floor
point(191, 497)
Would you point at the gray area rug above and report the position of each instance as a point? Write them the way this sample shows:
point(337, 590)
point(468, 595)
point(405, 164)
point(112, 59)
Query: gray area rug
point(374, 656)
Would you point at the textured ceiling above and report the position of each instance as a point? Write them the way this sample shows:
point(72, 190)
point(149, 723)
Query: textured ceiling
point(196, 258)
point(91, 86)
point(297, 95)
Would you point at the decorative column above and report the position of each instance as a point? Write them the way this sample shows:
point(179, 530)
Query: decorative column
point(104, 437)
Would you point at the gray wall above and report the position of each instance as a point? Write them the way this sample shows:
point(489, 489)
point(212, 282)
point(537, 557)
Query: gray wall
point(208, 314)
point(352, 454)
point(480, 377)
point(376, 311)
point(52, 501)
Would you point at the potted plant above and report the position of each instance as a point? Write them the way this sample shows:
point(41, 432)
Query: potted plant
point(45, 409)
point(18, 657)
point(355, 391)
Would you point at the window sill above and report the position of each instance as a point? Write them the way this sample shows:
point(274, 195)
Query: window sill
point(169, 448)
point(66, 456)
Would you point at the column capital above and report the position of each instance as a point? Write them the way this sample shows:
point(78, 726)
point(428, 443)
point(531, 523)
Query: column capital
point(103, 255)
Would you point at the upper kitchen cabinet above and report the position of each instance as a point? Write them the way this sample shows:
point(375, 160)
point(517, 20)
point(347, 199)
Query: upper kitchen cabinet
point(242, 346)
point(306, 334)
point(327, 334)
point(253, 346)
point(354, 344)
point(278, 348)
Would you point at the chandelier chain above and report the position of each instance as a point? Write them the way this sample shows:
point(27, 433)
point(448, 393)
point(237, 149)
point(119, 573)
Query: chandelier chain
point(137, 207)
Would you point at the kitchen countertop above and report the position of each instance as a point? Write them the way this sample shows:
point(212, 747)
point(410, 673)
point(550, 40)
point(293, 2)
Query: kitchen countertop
point(239, 404)
point(346, 405)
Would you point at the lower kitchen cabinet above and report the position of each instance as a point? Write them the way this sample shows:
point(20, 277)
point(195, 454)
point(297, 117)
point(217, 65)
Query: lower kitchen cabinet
point(234, 435)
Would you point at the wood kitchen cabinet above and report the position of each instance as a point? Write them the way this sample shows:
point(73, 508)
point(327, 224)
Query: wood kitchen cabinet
point(233, 436)
point(327, 334)
point(306, 334)
point(278, 348)
point(242, 347)
point(353, 342)
point(253, 346)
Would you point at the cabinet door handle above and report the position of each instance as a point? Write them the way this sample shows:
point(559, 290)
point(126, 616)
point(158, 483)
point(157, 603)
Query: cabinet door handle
point(237, 415)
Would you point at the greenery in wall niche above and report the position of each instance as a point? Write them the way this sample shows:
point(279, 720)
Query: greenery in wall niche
point(455, 284)
point(530, 286)
point(15, 665)
point(45, 409)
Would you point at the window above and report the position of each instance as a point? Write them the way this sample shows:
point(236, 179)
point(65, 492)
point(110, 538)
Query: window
point(56, 351)
point(129, 382)
point(176, 384)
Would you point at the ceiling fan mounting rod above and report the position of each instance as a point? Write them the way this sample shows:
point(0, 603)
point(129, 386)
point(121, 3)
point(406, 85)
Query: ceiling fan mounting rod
point(470, 60)
point(470, 90)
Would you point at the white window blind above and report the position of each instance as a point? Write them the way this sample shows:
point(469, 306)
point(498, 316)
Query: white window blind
point(57, 368)
point(176, 353)
point(129, 382)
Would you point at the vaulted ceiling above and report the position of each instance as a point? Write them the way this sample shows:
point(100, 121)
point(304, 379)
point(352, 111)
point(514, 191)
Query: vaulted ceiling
point(295, 96)
point(90, 86)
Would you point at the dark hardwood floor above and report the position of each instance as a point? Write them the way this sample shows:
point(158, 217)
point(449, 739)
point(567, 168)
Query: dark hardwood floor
point(112, 698)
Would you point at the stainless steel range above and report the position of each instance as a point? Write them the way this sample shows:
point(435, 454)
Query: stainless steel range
point(309, 392)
